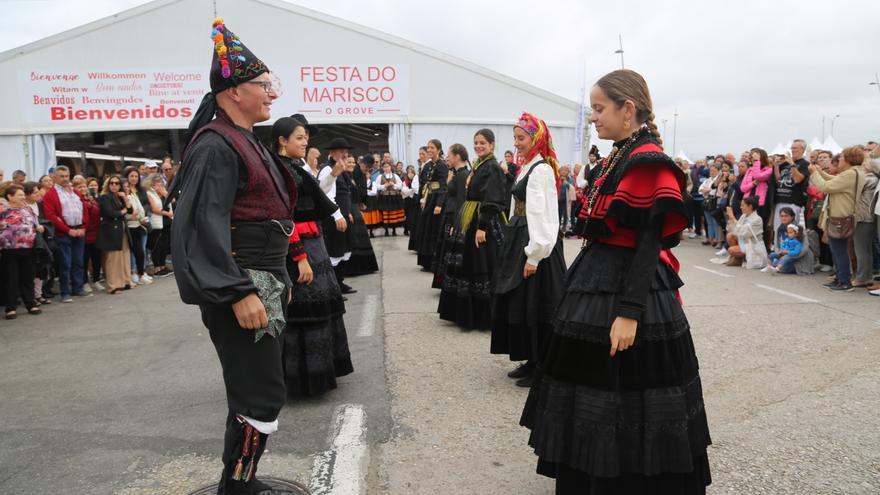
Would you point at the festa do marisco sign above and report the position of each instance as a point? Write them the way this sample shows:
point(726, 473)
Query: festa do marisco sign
point(168, 98)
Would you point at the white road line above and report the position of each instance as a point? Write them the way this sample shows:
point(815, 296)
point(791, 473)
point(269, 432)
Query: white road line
point(786, 293)
point(713, 272)
point(368, 317)
point(341, 470)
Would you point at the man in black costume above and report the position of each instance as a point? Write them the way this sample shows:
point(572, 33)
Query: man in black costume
point(338, 245)
point(231, 230)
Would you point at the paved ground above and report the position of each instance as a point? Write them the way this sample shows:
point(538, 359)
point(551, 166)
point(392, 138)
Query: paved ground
point(123, 395)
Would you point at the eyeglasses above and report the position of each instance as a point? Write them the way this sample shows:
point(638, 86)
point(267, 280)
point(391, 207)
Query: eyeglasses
point(114, 182)
point(266, 85)
point(166, 170)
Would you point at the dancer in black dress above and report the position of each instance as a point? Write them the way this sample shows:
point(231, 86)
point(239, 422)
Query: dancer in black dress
point(527, 283)
point(457, 161)
point(363, 258)
point(421, 178)
point(617, 405)
point(433, 197)
point(472, 248)
point(315, 342)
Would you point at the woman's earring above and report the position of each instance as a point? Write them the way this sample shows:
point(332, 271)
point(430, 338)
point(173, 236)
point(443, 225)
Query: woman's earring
point(626, 124)
point(282, 151)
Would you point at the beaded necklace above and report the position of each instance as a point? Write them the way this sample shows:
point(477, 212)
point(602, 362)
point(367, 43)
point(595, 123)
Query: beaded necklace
point(608, 166)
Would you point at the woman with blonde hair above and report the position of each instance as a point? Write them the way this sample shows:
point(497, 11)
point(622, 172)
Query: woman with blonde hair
point(113, 240)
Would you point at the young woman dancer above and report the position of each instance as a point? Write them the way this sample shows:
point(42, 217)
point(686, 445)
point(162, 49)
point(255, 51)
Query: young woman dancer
point(528, 282)
point(617, 405)
point(315, 348)
point(472, 250)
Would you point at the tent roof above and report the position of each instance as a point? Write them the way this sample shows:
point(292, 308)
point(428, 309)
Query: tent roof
point(442, 88)
point(682, 156)
point(831, 145)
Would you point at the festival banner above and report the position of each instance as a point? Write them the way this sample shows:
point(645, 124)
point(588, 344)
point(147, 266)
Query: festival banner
point(83, 99)
point(102, 98)
point(347, 91)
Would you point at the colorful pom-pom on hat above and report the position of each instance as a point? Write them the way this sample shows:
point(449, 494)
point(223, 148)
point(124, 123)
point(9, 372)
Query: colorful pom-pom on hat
point(232, 63)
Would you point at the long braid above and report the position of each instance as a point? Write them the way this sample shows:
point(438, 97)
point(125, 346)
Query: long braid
point(653, 128)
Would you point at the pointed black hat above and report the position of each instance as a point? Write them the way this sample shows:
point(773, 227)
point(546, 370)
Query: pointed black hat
point(232, 62)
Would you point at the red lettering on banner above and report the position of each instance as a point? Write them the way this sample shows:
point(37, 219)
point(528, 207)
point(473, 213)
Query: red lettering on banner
point(160, 112)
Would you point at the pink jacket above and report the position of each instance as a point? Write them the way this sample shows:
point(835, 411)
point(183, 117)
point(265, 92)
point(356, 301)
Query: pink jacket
point(760, 175)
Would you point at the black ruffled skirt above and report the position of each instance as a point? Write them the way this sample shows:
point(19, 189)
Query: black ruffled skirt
point(523, 309)
point(315, 342)
point(428, 232)
point(438, 261)
point(465, 297)
point(363, 258)
point(632, 424)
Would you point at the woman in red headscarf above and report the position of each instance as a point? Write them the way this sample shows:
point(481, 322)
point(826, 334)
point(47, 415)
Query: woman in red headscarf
point(617, 406)
point(527, 284)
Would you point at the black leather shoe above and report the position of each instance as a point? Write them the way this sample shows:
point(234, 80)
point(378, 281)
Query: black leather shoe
point(526, 381)
point(523, 370)
point(346, 289)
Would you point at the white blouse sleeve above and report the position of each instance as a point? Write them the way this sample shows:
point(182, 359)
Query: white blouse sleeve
point(373, 190)
point(542, 214)
point(398, 182)
point(326, 181)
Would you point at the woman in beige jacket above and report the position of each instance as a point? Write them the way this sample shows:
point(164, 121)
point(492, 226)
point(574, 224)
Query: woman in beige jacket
point(842, 189)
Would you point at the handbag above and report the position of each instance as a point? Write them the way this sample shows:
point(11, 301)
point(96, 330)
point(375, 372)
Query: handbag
point(843, 227)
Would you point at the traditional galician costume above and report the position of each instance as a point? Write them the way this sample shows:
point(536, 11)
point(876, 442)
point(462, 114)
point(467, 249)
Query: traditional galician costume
point(633, 423)
point(522, 308)
point(455, 192)
point(315, 342)
point(433, 196)
point(363, 258)
point(372, 215)
point(231, 236)
point(339, 191)
point(465, 293)
point(419, 182)
point(388, 188)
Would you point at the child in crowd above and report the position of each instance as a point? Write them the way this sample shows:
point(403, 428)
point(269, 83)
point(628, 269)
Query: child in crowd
point(782, 260)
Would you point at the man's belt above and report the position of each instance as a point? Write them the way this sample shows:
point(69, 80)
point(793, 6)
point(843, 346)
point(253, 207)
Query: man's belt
point(434, 185)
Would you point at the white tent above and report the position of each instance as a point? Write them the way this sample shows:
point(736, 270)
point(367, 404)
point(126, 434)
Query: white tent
point(682, 156)
point(778, 149)
point(815, 144)
point(831, 145)
point(115, 74)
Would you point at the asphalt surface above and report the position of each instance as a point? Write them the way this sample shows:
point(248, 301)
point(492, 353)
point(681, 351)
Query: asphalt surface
point(123, 394)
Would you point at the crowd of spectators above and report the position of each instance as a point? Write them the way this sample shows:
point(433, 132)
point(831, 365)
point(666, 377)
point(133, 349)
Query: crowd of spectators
point(67, 236)
point(791, 213)
point(64, 237)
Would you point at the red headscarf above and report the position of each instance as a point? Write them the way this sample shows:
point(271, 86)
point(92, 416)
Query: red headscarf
point(542, 142)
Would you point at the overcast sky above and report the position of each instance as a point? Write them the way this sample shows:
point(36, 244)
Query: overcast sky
point(740, 74)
